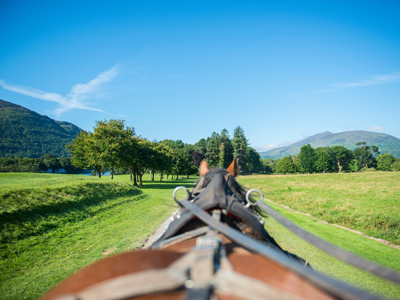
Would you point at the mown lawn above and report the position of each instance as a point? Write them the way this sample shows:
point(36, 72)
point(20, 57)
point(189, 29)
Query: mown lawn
point(53, 225)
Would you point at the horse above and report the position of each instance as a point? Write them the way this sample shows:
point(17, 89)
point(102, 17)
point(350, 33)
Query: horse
point(215, 247)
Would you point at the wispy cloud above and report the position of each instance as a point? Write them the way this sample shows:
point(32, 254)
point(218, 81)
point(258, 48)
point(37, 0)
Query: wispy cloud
point(376, 128)
point(373, 80)
point(76, 97)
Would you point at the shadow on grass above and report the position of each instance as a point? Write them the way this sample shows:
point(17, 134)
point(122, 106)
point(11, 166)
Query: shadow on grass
point(87, 200)
point(170, 184)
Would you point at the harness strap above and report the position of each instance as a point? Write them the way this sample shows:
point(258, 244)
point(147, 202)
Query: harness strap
point(326, 283)
point(131, 285)
point(203, 268)
point(179, 238)
point(331, 249)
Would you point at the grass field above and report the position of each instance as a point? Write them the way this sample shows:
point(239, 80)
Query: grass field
point(53, 225)
point(367, 202)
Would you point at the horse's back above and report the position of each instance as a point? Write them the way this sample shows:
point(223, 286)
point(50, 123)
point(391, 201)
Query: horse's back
point(251, 268)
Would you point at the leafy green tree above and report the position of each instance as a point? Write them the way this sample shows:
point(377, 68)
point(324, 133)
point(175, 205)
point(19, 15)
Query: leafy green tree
point(86, 153)
point(66, 164)
point(181, 157)
point(285, 165)
point(51, 162)
point(129, 160)
point(240, 144)
point(296, 162)
point(354, 167)
point(307, 158)
point(323, 162)
point(342, 157)
point(269, 165)
point(366, 155)
point(254, 164)
point(213, 150)
point(222, 159)
point(163, 160)
point(225, 154)
point(145, 158)
point(114, 141)
point(199, 152)
point(385, 160)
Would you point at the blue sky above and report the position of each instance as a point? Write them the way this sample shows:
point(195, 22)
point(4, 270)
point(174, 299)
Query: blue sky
point(282, 70)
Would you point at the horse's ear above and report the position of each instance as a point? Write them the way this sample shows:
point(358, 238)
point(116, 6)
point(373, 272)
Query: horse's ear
point(204, 168)
point(233, 168)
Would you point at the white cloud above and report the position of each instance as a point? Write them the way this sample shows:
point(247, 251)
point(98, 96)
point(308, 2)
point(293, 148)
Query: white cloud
point(376, 128)
point(75, 99)
point(373, 80)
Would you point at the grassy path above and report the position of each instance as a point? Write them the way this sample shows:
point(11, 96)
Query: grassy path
point(53, 225)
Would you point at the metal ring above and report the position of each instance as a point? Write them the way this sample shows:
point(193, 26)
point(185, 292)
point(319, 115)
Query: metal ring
point(248, 195)
point(177, 189)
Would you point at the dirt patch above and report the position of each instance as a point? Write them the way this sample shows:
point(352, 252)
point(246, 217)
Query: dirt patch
point(109, 251)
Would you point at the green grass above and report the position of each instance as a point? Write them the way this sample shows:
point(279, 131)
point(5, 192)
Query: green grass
point(53, 225)
point(320, 261)
point(367, 202)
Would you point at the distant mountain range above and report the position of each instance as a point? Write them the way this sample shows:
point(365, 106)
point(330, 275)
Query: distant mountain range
point(25, 133)
point(386, 143)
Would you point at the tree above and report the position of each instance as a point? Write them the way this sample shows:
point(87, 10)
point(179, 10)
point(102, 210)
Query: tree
point(226, 150)
point(163, 159)
point(145, 158)
point(240, 144)
point(129, 160)
point(285, 165)
point(254, 164)
point(342, 157)
point(86, 152)
point(114, 141)
point(51, 162)
point(181, 157)
point(269, 165)
point(395, 166)
point(65, 163)
point(353, 166)
point(307, 158)
point(213, 150)
point(296, 162)
point(366, 155)
point(385, 160)
point(323, 162)
point(199, 152)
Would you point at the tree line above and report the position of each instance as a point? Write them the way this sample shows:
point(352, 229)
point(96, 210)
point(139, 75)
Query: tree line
point(115, 147)
point(334, 159)
point(38, 165)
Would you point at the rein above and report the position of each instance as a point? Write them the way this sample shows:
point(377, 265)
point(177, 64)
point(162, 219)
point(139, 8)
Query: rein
point(331, 285)
point(206, 269)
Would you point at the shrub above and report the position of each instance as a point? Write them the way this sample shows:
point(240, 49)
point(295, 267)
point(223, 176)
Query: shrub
point(395, 166)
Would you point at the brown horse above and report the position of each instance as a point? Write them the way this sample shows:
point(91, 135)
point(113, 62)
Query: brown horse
point(215, 247)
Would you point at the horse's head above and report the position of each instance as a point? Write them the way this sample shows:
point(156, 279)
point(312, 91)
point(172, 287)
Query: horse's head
point(218, 189)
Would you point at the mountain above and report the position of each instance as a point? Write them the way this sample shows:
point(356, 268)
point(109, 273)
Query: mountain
point(25, 133)
point(348, 139)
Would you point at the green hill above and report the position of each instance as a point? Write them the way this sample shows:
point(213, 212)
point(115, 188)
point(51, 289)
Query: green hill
point(348, 139)
point(25, 133)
